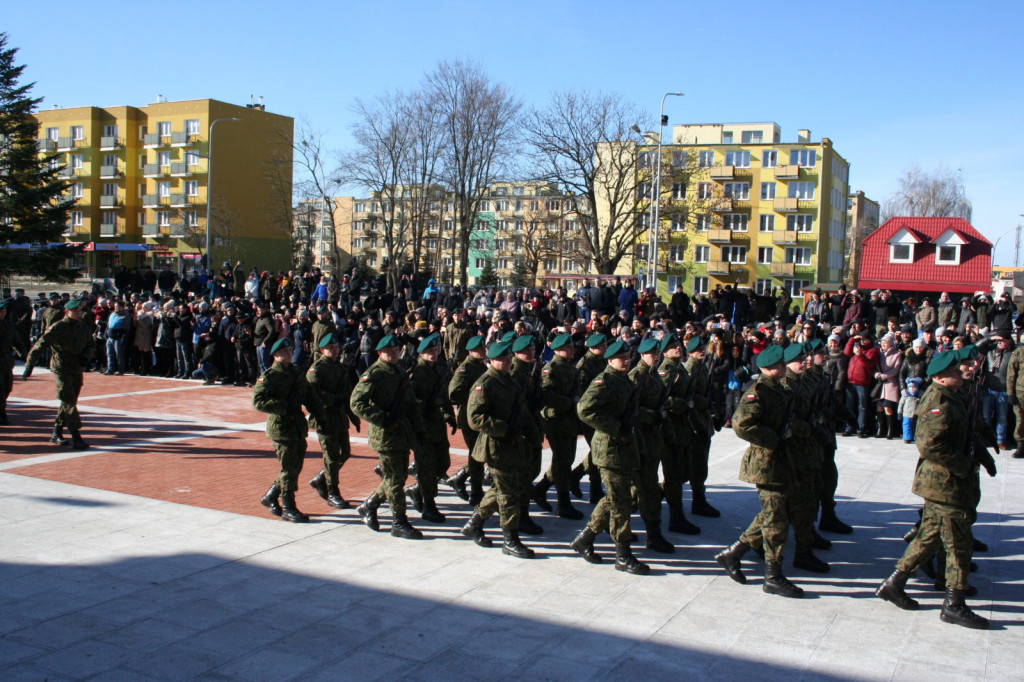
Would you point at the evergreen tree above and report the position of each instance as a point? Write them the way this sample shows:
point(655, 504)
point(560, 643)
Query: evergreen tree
point(34, 204)
point(488, 277)
point(521, 275)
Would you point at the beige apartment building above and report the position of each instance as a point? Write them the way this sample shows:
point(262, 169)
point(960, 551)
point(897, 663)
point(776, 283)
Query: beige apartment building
point(863, 216)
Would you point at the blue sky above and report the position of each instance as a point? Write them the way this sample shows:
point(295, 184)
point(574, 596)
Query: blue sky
point(893, 84)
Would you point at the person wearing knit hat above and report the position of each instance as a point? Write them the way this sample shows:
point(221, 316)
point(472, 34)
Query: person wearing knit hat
point(330, 379)
point(702, 420)
point(589, 366)
point(281, 392)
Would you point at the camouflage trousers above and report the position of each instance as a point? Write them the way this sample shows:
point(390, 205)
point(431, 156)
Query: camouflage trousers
point(946, 527)
point(674, 466)
point(612, 512)
point(533, 468)
point(803, 507)
point(505, 496)
point(337, 449)
point(697, 471)
point(646, 493)
point(394, 465)
point(562, 439)
point(829, 479)
point(432, 462)
point(771, 525)
point(475, 468)
point(290, 455)
point(1018, 429)
point(68, 388)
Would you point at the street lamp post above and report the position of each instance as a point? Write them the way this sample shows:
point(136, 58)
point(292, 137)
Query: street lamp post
point(656, 199)
point(209, 188)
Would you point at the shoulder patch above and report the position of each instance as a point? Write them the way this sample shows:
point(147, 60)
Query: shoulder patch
point(936, 411)
point(260, 380)
point(478, 388)
point(461, 370)
point(662, 373)
point(599, 382)
point(547, 371)
point(364, 378)
point(751, 396)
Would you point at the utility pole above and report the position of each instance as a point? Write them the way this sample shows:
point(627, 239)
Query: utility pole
point(1016, 246)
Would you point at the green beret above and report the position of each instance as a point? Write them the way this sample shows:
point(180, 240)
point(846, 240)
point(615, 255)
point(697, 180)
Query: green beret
point(282, 344)
point(474, 342)
point(523, 343)
point(616, 348)
point(456, 311)
point(694, 343)
point(560, 340)
point(429, 342)
point(669, 341)
point(771, 355)
point(943, 361)
point(595, 340)
point(508, 337)
point(814, 345)
point(499, 350)
point(794, 351)
point(73, 304)
point(389, 341)
point(54, 295)
point(967, 352)
point(328, 339)
point(648, 345)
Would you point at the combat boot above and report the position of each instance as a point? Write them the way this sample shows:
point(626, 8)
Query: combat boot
point(892, 591)
point(574, 482)
point(368, 511)
point(58, 436)
point(513, 546)
point(730, 561)
point(401, 528)
point(700, 507)
point(3, 416)
point(474, 530)
point(830, 523)
point(526, 524)
point(940, 586)
point(805, 559)
point(565, 509)
point(430, 512)
point(458, 483)
point(289, 512)
point(334, 498)
point(677, 522)
point(76, 440)
point(656, 542)
point(583, 545)
point(980, 546)
point(319, 484)
point(625, 561)
point(954, 610)
point(819, 542)
point(776, 583)
point(270, 500)
point(415, 497)
point(540, 493)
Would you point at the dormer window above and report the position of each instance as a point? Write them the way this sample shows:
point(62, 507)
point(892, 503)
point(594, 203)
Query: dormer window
point(901, 246)
point(947, 248)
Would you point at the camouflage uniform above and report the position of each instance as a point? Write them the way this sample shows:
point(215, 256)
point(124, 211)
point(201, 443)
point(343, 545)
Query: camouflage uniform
point(559, 385)
point(805, 452)
point(650, 391)
point(459, 386)
point(702, 427)
point(430, 385)
point(331, 381)
point(589, 367)
point(1015, 391)
point(71, 346)
point(9, 341)
point(677, 430)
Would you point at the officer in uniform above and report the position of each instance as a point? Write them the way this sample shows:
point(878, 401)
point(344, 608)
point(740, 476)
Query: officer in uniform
point(761, 420)
point(829, 416)
point(430, 385)
point(676, 432)
point(71, 346)
point(507, 436)
point(10, 341)
point(330, 379)
point(1015, 392)
point(471, 369)
point(526, 372)
point(703, 427)
point(589, 366)
point(382, 398)
point(609, 406)
point(281, 392)
point(559, 381)
point(323, 326)
point(947, 479)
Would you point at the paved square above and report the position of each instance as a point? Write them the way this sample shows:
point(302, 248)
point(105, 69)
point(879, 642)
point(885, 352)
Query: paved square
point(149, 557)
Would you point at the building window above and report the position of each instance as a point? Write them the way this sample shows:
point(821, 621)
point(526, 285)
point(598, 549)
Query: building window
point(192, 158)
point(76, 190)
point(192, 126)
point(643, 190)
point(569, 266)
point(550, 264)
point(701, 253)
point(801, 222)
point(764, 255)
point(371, 260)
point(751, 137)
point(727, 137)
point(517, 191)
point(798, 255)
point(706, 159)
point(484, 206)
point(793, 286)
point(501, 205)
point(190, 218)
point(737, 222)
point(75, 219)
point(431, 245)
point(763, 287)
point(705, 190)
point(738, 159)
point(554, 205)
point(76, 162)
point(736, 255)
point(109, 218)
point(191, 188)
point(53, 134)
point(678, 222)
point(110, 189)
point(678, 190)
point(643, 251)
point(806, 158)
point(901, 253)
point(766, 223)
point(767, 191)
point(163, 128)
point(479, 263)
point(163, 218)
point(679, 159)
point(700, 285)
point(643, 160)
point(674, 282)
point(163, 189)
point(703, 222)
point(801, 190)
point(643, 221)
point(77, 132)
point(676, 253)
point(163, 158)
point(737, 190)
point(769, 158)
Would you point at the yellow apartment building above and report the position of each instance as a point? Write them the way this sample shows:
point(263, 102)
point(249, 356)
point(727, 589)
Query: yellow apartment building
point(741, 207)
point(141, 177)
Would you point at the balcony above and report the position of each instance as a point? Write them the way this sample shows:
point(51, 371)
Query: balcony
point(178, 230)
point(178, 200)
point(65, 144)
point(180, 169)
point(786, 204)
point(108, 202)
point(108, 229)
point(721, 204)
point(150, 201)
point(151, 140)
point(46, 146)
point(788, 171)
point(179, 139)
point(109, 172)
point(110, 143)
point(720, 236)
point(151, 170)
point(784, 237)
point(783, 269)
point(719, 267)
point(722, 172)
point(150, 230)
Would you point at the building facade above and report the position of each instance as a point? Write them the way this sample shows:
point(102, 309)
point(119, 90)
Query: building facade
point(141, 178)
point(740, 207)
point(863, 216)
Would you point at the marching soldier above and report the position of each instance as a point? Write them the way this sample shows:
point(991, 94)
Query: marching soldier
point(947, 479)
point(430, 384)
point(331, 380)
point(761, 420)
point(831, 415)
point(526, 372)
point(382, 398)
point(323, 326)
point(507, 437)
point(676, 431)
point(10, 341)
point(703, 427)
point(609, 406)
point(281, 392)
point(561, 426)
point(471, 369)
point(589, 366)
point(71, 347)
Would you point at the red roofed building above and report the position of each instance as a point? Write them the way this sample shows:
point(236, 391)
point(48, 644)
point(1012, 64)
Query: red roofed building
point(926, 255)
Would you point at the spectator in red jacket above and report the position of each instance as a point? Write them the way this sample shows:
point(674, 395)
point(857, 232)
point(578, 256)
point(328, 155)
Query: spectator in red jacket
point(860, 376)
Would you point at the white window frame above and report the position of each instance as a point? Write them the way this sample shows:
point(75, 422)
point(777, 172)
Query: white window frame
point(700, 285)
point(701, 253)
point(77, 162)
point(738, 159)
point(703, 222)
point(705, 190)
point(737, 255)
point(163, 128)
point(678, 222)
point(77, 133)
point(191, 126)
point(53, 134)
point(678, 191)
point(793, 286)
point(163, 159)
point(763, 286)
point(766, 222)
point(736, 222)
point(163, 218)
point(767, 191)
point(751, 136)
point(765, 255)
point(740, 191)
point(109, 218)
point(76, 190)
point(676, 253)
point(800, 222)
point(190, 218)
point(798, 255)
point(706, 159)
point(679, 159)
point(480, 263)
point(75, 218)
point(110, 189)
point(192, 158)
point(769, 158)
point(191, 188)
point(484, 206)
point(805, 158)
point(163, 189)
point(948, 240)
point(801, 190)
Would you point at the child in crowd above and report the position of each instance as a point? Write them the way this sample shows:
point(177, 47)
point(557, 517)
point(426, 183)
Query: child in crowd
point(908, 406)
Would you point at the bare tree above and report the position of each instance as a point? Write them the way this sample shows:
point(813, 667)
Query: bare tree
point(478, 120)
point(314, 189)
point(423, 117)
point(928, 194)
point(581, 142)
point(530, 241)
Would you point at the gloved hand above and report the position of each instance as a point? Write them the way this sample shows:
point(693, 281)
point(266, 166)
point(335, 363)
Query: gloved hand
point(990, 467)
point(455, 429)
point(355, 421)
point(27, 373)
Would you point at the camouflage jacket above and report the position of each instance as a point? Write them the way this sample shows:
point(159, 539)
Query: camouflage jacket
point(430, 386)
point(332, 382)
point(461, 384)
point(281, 392)
point(609, 406)
point(382, 398)
point(803, 444)
point(946, 473)
point(558, 382)
point(759, 420)
point(71, 345)
point(498, 411)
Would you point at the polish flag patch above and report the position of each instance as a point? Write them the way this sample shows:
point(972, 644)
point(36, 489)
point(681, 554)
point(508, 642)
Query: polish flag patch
point(936, 411)
point(479, 388)
point(751, 396)
point(599, 382)
point(364, 378)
